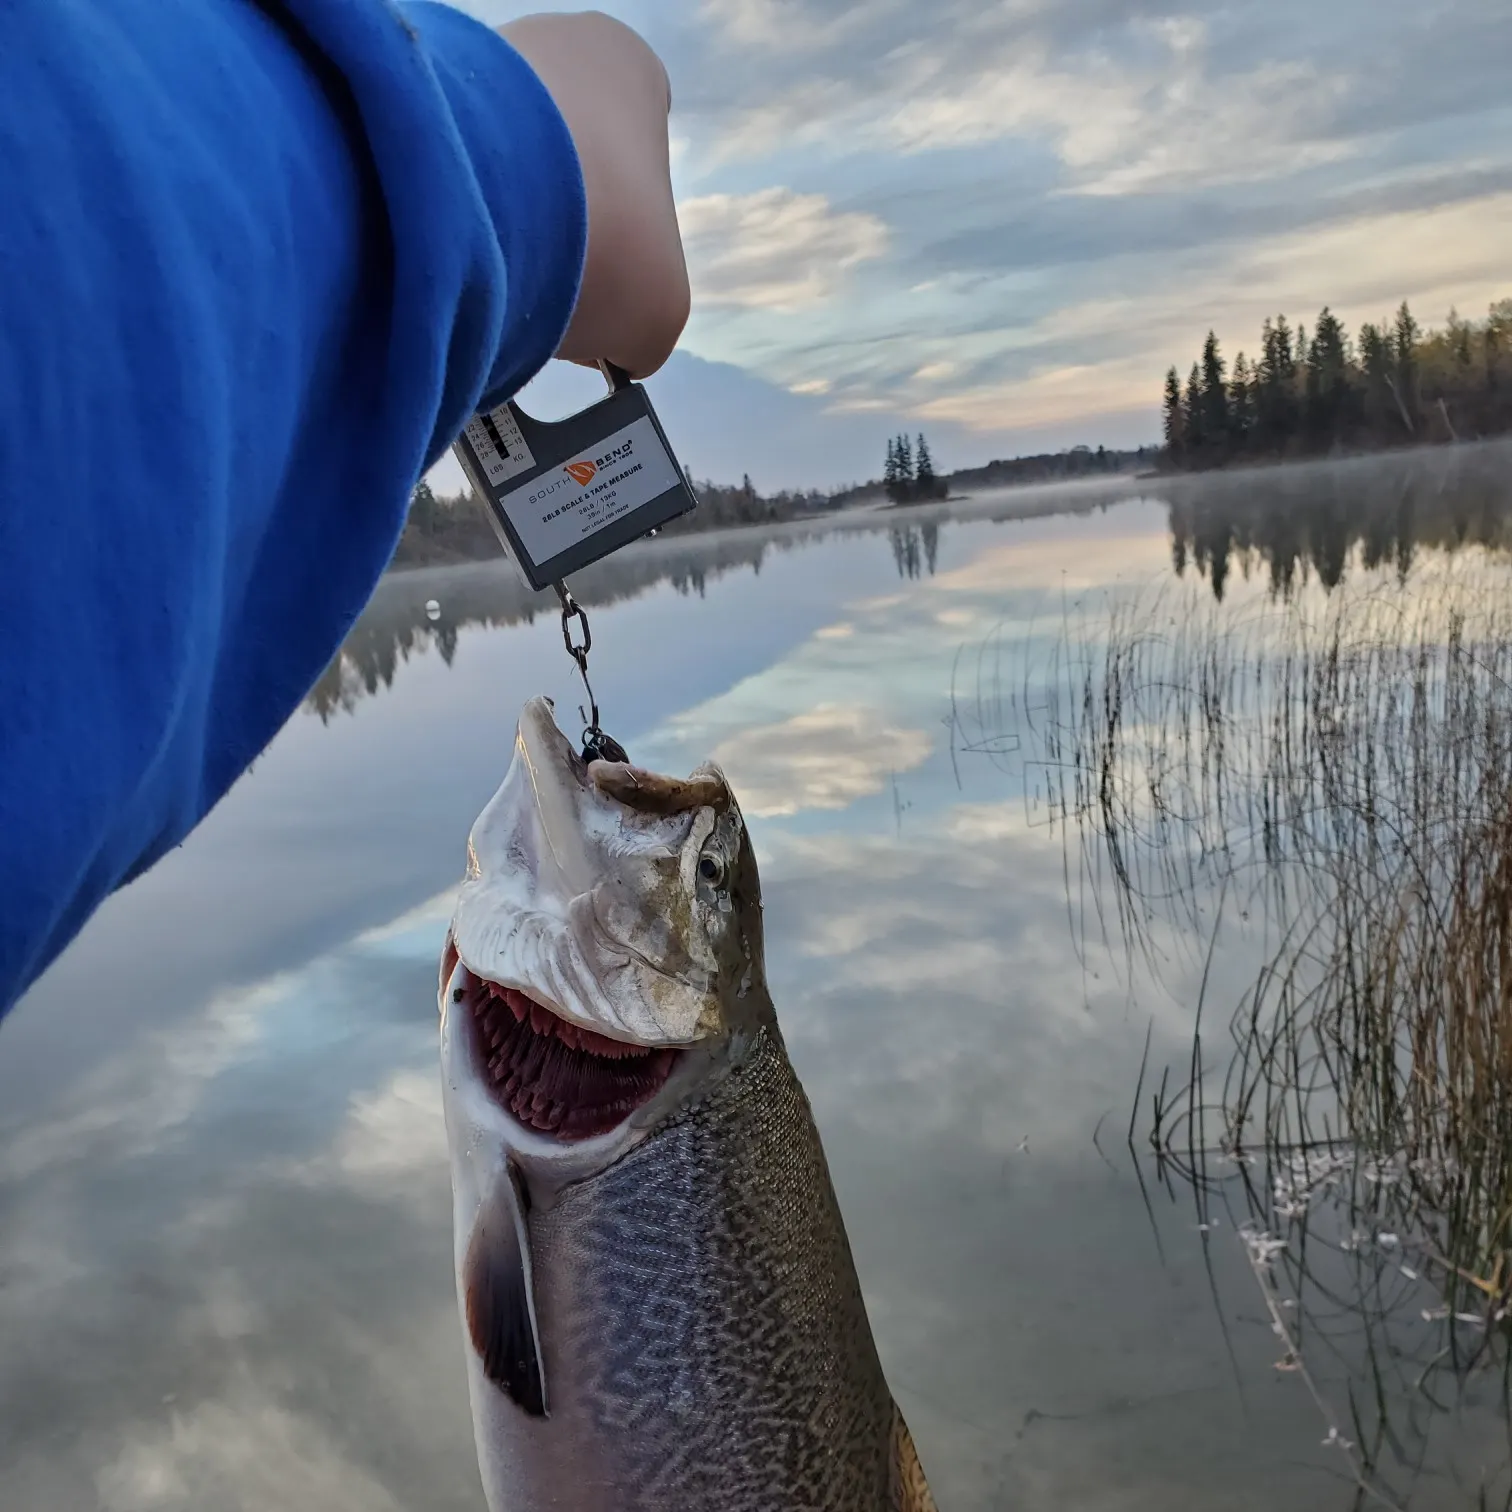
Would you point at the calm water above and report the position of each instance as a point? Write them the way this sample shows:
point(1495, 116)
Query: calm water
point(225, 1245)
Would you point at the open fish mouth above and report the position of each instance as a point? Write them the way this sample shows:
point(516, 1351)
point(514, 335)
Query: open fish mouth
point(552, 1076)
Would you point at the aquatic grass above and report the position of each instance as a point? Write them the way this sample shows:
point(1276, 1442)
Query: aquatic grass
point(1326, 781)
point(1338, 775)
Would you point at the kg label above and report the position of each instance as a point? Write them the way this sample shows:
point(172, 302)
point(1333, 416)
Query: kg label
point(565, 504)
point(498, 445)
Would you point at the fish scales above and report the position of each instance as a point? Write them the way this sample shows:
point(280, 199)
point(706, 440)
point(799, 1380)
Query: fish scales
point(703, 1320)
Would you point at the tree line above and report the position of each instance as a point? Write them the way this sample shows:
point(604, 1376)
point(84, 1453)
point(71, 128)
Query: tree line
point(909, 476)
point(721, 505)
point(1394, 384)
point(1054, 467)
point(443, 528)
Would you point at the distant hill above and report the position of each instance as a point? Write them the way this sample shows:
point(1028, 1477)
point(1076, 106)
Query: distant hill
point(1079, 462)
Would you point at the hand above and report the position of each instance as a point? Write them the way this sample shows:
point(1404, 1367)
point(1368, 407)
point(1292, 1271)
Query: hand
point(614, 95)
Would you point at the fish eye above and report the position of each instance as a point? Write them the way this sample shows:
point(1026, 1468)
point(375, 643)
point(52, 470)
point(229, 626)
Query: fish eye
point(711, 869)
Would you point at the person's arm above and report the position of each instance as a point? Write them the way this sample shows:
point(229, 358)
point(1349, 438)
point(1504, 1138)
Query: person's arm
point(259, 261)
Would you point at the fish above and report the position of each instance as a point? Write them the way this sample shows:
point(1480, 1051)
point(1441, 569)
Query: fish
point(659, 1305)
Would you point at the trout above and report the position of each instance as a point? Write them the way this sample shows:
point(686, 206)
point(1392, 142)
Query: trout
point(659, 1306)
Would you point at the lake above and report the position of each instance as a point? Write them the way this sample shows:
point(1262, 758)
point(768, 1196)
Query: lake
point(225, 1226)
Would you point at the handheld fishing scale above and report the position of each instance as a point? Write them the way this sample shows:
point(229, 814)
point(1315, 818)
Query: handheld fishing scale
point(564, 493)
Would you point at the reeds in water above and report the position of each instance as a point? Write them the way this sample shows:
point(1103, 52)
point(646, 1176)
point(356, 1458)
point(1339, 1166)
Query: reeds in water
point(1331, 778)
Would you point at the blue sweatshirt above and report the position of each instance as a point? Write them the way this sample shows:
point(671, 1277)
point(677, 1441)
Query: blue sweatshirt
point(259, 262)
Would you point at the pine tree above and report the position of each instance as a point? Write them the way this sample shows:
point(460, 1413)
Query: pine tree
point(1241, 405)
point(1458, 333)
point(1192, 437)
point(1328, 386)
point(1376, 361)
point(905, 467)
point(1498, 344)
point(1276, 387)
point(1404, 380)
point(1215, 418)
point(1175, 421)
point(926, 485)
point(425, 511)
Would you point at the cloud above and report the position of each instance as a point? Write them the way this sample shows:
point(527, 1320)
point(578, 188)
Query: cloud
point(1153, 108)
point(773, 249)
point(1120, 127)
point(1050, 394)
point(824, 758)
point(780, 25)
point(1362, 266)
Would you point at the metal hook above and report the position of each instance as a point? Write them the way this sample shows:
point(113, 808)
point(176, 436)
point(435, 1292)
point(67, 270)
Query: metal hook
point(597, 746)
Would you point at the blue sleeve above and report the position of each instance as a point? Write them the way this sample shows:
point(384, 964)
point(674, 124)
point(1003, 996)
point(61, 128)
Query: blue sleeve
point(259, 261)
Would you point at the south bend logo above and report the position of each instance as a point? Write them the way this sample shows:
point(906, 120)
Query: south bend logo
point(581, 473)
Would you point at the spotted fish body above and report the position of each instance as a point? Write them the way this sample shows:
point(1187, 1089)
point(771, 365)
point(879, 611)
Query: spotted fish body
point(668, 1318)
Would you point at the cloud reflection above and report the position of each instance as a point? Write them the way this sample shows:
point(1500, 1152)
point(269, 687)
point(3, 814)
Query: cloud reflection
point(129, 1104)
point(824, 758)
point(243, 1453)
point(392, 1144)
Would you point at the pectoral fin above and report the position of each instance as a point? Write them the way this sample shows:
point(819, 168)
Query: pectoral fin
point(909, 1490)
point(500, 1297)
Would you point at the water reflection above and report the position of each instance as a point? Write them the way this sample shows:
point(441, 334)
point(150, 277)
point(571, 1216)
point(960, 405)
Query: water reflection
point(225, 1271)
point(915, 549)
point(423, 609)
point(1299, 523)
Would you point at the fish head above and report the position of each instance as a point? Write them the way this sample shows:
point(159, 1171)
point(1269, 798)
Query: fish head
point(607, 933)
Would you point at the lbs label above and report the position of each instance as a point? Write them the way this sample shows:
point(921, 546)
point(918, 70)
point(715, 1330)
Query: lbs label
point(498, 445)
point(565, 504)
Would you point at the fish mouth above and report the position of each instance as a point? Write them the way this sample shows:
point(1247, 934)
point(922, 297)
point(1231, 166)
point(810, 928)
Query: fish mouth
point(551, 1076)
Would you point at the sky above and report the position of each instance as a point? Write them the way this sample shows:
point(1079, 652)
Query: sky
point(999, 223)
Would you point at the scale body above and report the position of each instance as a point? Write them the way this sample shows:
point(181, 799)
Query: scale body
point(564, 493)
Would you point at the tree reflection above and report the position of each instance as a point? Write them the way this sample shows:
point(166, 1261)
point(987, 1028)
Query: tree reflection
point(915, 548)
point(396, 625)
point(1294, 524)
